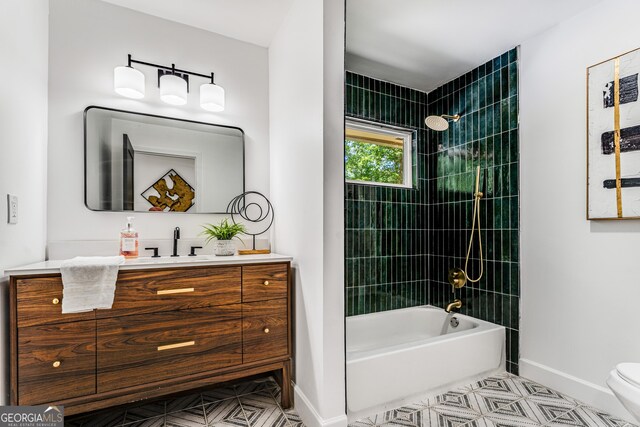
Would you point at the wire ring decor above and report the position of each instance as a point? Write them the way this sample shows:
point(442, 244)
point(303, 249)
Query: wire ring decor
point(252, 207)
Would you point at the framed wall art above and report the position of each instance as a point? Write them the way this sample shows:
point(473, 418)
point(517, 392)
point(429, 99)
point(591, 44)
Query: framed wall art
point(613, 138)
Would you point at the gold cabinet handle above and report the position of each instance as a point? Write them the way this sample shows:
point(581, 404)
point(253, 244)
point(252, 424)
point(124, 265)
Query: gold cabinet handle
point(266, 330)
point(55, 301)
point(175, 291)
point(176, 345)
point(57, 364)
point(266, 283)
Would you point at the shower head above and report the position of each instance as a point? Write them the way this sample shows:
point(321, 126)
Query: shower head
point(440, 123)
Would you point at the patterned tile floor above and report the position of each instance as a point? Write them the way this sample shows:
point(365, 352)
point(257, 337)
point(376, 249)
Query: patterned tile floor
point(500, 401)
point(253, 403)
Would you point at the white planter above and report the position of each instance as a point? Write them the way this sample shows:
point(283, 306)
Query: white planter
point(224, 247)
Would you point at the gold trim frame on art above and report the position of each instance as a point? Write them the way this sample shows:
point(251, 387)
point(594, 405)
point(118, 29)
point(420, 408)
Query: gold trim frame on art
point(616, 131)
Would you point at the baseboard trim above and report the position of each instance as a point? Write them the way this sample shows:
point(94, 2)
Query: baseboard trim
point(310, 416)
point(590, 393)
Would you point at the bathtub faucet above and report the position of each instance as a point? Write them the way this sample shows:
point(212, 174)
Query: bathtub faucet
point(455, 304)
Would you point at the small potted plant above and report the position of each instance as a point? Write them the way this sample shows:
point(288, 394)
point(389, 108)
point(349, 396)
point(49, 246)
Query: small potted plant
point(223, 234)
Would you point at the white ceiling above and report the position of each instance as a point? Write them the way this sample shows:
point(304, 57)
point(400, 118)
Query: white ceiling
point(252, 21)
point(425, 43)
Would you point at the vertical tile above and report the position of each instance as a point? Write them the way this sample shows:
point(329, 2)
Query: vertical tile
point(513, 112)
point(513, 79)
point(496, 85)
point(496, 63)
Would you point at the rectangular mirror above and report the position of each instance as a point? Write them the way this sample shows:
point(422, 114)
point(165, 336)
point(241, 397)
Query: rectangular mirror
point(141, 162)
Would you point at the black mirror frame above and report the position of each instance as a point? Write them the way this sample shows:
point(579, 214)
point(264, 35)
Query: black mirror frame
point(90, 107)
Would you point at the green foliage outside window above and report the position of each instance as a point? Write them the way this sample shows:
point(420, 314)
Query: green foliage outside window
point(373, 162)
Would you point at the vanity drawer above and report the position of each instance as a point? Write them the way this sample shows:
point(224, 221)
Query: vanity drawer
point(265, 330)
point(263, 282)
point(141, 349)
point(39, 302)
point(56, 362)
point(151, 291)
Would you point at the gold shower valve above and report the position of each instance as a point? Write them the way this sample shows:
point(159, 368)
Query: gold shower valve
point(457, 277)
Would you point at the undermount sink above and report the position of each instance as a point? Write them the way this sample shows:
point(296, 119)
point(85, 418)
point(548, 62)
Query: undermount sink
point(169, 259)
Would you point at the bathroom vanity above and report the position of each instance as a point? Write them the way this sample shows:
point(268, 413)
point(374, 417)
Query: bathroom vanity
point(175, 325)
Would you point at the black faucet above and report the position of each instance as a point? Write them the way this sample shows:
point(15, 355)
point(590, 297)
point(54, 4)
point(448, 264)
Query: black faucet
point(176, 236)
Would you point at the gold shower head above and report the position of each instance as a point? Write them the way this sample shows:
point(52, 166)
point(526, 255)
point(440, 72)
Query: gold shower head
point(440, 123)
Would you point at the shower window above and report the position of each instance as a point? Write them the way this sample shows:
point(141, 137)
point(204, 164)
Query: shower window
point(377, 155)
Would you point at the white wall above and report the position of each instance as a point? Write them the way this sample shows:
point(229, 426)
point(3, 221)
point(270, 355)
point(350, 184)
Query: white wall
point(23, 143)
point(333, 209)
point(580, 285)
point(306, 118)
point(88, 38)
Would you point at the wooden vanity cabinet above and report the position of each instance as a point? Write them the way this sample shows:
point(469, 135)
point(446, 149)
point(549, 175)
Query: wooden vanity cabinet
point(60, 357)
point(169, 330)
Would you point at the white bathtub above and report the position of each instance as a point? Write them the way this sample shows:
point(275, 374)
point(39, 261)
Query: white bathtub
point(397, 355)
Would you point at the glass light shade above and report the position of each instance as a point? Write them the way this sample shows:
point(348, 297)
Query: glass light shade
point(129, 82)
point(211, 97)
point(173, 89)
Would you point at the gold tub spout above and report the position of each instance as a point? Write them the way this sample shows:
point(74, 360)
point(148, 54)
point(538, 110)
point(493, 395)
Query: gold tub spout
point(455, 304)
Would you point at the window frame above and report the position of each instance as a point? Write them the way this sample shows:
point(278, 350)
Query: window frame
point(407, 147)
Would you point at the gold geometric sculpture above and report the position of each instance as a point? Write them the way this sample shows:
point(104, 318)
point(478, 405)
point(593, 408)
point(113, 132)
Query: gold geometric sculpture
point(171, 193)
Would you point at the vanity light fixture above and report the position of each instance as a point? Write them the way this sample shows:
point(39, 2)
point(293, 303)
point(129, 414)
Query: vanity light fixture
point(212, 96)
point(129, 82)
point(173, 84)
point(173, 88)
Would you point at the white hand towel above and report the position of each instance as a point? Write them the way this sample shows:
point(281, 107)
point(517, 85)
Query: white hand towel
point(89, 283)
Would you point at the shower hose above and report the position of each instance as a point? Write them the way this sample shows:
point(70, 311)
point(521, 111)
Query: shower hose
point(476, 216)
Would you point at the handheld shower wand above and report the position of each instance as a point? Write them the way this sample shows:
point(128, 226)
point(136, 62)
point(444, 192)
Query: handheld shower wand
point(458, 277)
point(476, 215)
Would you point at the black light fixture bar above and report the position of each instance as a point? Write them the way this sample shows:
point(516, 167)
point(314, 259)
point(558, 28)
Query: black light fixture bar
point(171, 69)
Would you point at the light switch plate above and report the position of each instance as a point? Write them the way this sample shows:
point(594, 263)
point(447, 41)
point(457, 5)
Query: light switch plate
point(12, 204)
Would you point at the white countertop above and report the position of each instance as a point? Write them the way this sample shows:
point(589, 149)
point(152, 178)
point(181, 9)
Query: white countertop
point(53, 267)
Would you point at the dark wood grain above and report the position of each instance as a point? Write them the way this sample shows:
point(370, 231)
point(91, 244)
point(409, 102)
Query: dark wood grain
point(73, 345)
point(257, 317)
point(35, 299)
point(13, 343)
point(128, 346)
point(137, 292)
point(254, 278)
point(285, 396)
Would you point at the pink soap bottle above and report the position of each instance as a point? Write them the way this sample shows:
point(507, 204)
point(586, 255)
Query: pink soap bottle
point(129, 240)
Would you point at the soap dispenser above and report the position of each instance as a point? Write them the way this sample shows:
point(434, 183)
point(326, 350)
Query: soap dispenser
point(129, 240)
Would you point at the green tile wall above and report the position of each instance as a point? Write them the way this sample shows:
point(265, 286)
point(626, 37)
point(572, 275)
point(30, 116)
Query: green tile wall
point(400, 243)
point(386, 239)
point(486, 135)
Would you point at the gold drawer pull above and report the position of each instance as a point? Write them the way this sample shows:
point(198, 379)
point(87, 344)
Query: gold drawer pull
point(175, 291)
point(266, 330)
point(176, 345)
point(55, 301)
point(57, 364)
point(266, 283)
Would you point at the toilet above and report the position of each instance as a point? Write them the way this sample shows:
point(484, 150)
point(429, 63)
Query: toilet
point(624, 381)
